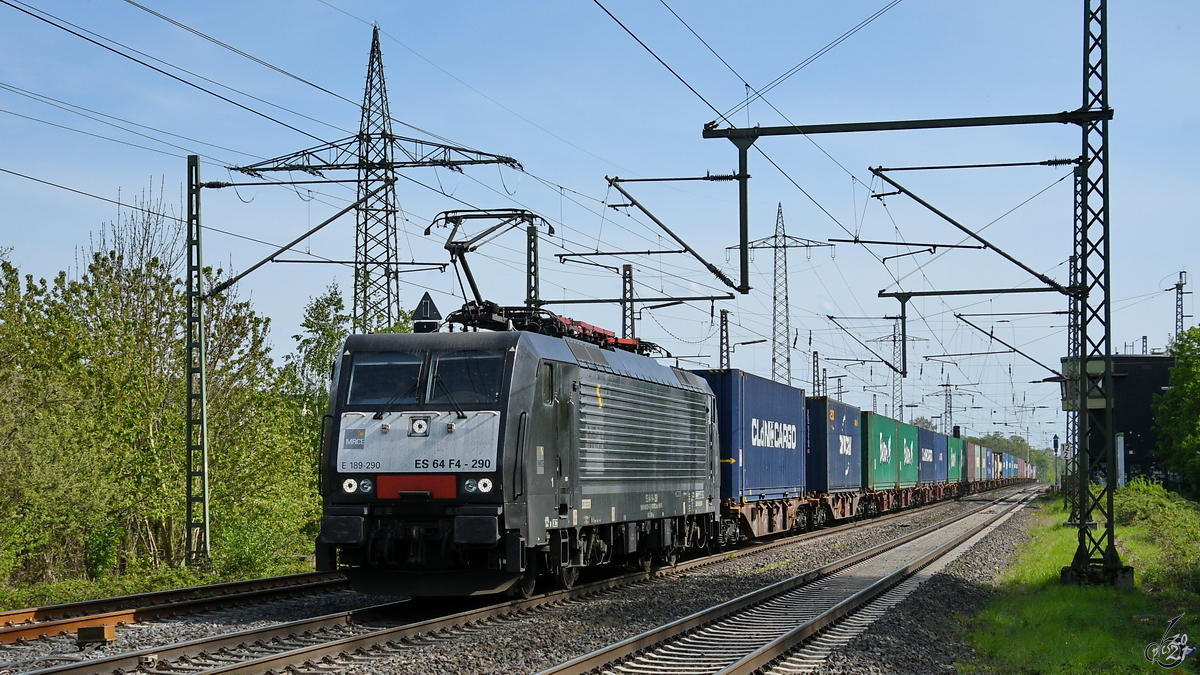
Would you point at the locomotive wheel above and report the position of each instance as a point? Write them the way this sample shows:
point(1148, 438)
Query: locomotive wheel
point(523, 589)
point(645, 561)
point(567, 576)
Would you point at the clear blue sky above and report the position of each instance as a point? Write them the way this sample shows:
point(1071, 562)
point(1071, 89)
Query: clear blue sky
point(565, 90)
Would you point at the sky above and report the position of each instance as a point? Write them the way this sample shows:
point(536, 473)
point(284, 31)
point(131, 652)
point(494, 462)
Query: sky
point(568, 91)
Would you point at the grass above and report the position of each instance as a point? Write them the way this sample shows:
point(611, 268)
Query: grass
point(1041, 626)
point(136, 581)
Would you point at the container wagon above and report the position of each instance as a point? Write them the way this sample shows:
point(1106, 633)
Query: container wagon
point(834, 457)
point(763, 442)
point(881, 462)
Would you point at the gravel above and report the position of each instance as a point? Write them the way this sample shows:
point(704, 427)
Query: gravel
point(553, 635)
point(47, 652)
point(559, 634)
point(925, 633)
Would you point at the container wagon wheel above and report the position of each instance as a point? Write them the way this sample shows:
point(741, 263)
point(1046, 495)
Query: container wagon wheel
point(819, 516)
point(567, 576)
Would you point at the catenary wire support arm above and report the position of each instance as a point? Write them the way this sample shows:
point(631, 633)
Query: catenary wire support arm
point(616, 183)
point(992, 335)
point(880, 172)
point(961, 354)
point(563, 256)
point(905, 243)
point(224, 285)
point(744, 138)
point(865, 345)
point(673, 301)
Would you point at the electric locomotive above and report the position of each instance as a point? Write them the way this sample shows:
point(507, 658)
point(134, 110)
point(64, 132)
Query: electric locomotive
point(472, 462)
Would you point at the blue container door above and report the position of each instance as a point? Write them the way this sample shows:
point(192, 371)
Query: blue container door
point(773, 448)
point(926, 462)
point(835, 446)
point(762, 435)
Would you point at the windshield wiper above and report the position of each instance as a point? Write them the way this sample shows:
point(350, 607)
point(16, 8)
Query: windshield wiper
point(437, 378)
point(387, 407)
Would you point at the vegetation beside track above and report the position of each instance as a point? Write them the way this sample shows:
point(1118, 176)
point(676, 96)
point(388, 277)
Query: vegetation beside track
point(1040, 626)
point(92, 459)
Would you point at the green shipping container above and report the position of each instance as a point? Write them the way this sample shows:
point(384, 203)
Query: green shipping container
point(907, 435)
point(954, 459)
point(881, 465)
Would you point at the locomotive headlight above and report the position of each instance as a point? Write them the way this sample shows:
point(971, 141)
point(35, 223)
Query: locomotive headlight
point(419, 427)
point(349, 485)
point(470, 485)
point(365, 485)
point(485, 485)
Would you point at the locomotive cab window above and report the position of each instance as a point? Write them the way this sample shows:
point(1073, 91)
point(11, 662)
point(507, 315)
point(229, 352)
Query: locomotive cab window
point(385, 379)
point(469, 378)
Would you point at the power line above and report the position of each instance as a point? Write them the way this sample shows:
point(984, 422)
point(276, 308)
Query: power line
point(813, 57)
point(74, 109)
point(118, 52)
point(656, 57)
point(88, 194)
point(106, 138)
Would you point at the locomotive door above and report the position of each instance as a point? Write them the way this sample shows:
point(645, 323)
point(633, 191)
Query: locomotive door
point(566, 399)
point(548, 455)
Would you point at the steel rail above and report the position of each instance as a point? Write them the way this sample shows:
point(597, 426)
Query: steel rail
point(639, 643)
point(35, 622)
point(306, 630)
point(152, 656)
point(770, 652)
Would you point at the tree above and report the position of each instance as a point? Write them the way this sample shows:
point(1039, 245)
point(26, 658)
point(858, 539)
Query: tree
point(325, 327)
point(923, 423)
point(92, 430)
point(1177, 411)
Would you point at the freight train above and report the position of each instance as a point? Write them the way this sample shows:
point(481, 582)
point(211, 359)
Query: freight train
point(469, 463)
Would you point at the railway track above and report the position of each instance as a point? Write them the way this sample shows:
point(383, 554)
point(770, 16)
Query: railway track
point(37, 622)
point(33, 623)
point(329, 643)
point(749, 634)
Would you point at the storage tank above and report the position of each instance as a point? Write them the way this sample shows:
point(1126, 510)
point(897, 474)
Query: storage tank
point(835, 446)
point(761, 428)
point(881, 448)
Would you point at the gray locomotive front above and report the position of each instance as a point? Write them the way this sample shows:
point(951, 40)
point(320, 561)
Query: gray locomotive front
point(460, 463)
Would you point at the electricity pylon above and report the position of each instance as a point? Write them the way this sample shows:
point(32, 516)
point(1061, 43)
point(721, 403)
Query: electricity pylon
point(375, 153)
point(781, 351)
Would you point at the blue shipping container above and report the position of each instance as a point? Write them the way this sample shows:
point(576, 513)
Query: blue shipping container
point(761, 429)
point(834, 447)
point(941, 453)
point(926, 462)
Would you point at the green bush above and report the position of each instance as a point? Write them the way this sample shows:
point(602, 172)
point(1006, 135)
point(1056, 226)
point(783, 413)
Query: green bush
point(1172, 524)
